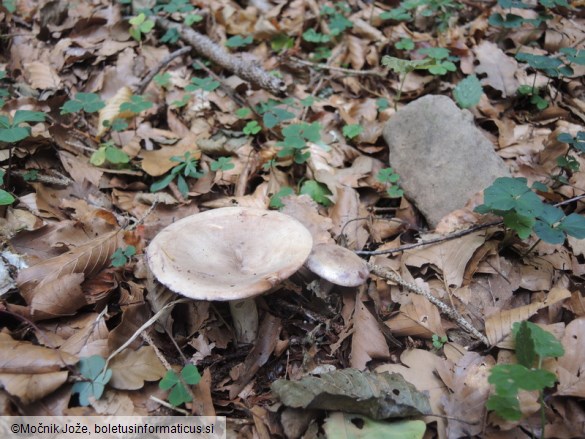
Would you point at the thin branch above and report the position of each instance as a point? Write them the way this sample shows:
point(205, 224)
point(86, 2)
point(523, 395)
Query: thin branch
point(247, 69)
point(161, 65)
point(430, 241)
point(443, 308)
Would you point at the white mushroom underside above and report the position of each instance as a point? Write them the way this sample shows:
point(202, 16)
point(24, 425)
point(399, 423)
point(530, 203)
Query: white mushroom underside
point(229, 253)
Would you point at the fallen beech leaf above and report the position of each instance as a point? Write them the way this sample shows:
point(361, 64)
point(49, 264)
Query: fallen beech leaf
point(25, 358)
point(29, 388)
point(131, 369)
point(367, 342)
point(499, 324)
point(571, 366)
point(89, 259)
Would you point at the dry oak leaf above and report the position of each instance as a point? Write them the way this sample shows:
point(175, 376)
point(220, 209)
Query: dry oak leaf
point(499, 68)
point(131, 368)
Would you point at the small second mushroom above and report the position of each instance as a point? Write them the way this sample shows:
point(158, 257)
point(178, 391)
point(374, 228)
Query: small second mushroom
point(230, 254)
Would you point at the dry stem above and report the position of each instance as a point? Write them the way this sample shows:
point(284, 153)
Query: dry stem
point(443, 308)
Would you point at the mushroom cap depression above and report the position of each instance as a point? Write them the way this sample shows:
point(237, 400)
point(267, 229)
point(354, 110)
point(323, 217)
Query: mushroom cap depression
point(230, 253)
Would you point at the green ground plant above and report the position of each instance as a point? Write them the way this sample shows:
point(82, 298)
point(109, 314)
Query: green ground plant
point(524, 212)
point(94, 379)
point(533, 346)
point(186, 167)
point(178, 392)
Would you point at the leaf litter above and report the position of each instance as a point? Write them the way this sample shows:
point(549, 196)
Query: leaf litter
point(66, 308)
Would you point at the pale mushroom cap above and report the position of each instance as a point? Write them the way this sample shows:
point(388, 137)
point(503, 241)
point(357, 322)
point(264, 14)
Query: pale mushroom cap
point(230, 253)
point(337, 265)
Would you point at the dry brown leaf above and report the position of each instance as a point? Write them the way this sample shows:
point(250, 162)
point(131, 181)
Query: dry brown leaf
point(42, 76)
point(29, 388)
point(571, 366)
point(499, 324)
point(89, 259)
point(112, 109)
point(26, 358)
point(417, 319)
point(268, 335)
point(469, 392)
point(57, 297)
point(368, 342)
point(131, 369)
point(418, 367)
point(451, 256)
point(203, 402)
point(356, 51)
point(499, 68)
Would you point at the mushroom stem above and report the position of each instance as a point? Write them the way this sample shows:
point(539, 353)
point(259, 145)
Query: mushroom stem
point(245, 319)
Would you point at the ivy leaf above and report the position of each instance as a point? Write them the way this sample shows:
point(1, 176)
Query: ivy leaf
point(468, 92)
point(522, 225)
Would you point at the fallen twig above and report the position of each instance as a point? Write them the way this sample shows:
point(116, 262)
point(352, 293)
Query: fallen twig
point(443, 307)
point(247, 69)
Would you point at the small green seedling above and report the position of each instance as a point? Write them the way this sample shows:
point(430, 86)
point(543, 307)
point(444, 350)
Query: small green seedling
point(439, 342)
point(109, 153)
point(295, 141)
point(13, 131)
point(186, 168)
point(282, 42)
point(140, 26)
point(222, 164)
point(404, 44)
point(191, 19)
point(30, 175)
point(387, 175)
point(276, 199)
point(205, 84)
point(437, 62)
point(252, 128)
point(88, 102)
point(533, 345)
point(239, 41)
point(468, 92)
point(272, 112)
point(136, 105)
point(351, 131)
point(171, 381)
point(122, 256)
point(95, 379)
point(171, 36)
point(535, 98)
point(175, 6)
point(163, 80)
point(317, 191)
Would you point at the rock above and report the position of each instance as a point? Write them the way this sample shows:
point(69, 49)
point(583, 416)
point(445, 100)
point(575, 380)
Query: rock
point(442, 158)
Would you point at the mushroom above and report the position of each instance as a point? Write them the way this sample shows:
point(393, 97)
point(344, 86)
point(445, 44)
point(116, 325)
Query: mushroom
point(230, 254)
point(337, 265)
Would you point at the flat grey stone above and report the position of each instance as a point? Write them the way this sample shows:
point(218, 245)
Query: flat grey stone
point(442, 158)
